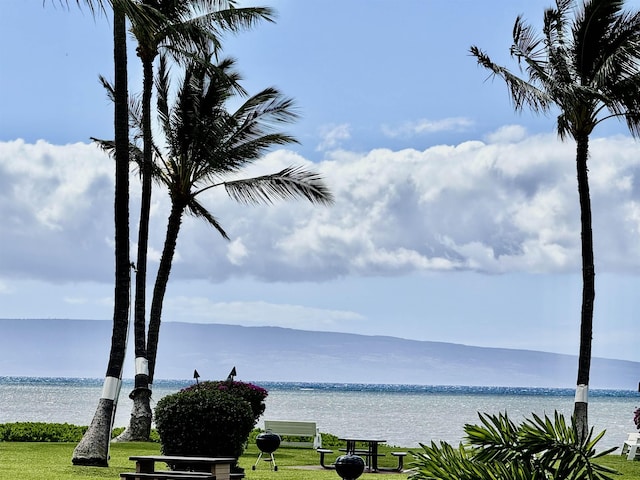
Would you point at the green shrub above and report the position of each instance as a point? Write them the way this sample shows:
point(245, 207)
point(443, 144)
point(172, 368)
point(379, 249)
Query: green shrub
point(538, 449)
point(51, 432)
point(40, 432)
point(253, 394)
point(203, 422)
point(330, 440)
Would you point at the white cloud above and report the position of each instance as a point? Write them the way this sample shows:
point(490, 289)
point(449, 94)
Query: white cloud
point(57, 211)
point(508, 206)
point(236, 252)
point(425, 127)
point(333, 136)
point(75, 300)
point(258, 313)
point(508, 134)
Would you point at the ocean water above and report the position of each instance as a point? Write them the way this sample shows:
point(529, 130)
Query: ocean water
point(404, 415)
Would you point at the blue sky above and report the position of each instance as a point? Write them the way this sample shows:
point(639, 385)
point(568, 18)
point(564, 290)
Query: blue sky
point(455, 219)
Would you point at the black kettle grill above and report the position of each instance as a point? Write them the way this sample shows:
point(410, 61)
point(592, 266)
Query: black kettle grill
point(267, 442)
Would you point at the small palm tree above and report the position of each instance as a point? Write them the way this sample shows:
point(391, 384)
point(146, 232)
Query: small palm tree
point(207, 147)
point(586, 64)
point(184, 28)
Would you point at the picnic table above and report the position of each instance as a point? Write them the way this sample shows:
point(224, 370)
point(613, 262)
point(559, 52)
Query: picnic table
point(370, 453)
point(214, 468)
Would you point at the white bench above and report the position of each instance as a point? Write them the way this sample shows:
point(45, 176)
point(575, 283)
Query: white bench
point(630, 446)
point(307, 430)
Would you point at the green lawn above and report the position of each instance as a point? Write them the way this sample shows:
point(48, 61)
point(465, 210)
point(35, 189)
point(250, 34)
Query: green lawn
point(52, 461)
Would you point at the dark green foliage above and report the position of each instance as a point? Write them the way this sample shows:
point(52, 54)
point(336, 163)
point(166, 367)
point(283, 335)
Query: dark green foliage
point(40, 432)
point(249, 392)
point(538, 449)
point(51, 432)
point(330, 440)
point(203, 422)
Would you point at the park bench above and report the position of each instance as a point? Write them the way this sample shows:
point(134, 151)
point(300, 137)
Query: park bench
point(307, 431)
point(167, 475)
point(630, 446)
point(323, 452)
point(400, 456)
point(365, 453)
point(212, 468)
point(175, 475)
point(360, 452)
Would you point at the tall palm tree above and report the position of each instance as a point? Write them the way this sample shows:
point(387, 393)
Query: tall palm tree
point(585, 66)
point(207, 147)
point(93, 449)
point(184, 28)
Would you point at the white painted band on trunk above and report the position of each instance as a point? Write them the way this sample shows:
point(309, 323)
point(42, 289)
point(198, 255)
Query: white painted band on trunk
point(142, 366)
point(582, 393)
point(111, 388)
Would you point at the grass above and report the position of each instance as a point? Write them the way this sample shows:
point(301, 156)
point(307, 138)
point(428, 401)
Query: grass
point(52, 461)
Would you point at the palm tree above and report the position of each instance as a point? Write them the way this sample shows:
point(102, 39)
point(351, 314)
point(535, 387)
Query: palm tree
point(184, 28)
point(586, 65)
point(207, 147)
point(93, 449)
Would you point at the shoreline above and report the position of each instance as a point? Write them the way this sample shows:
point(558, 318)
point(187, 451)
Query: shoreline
point(403, 414)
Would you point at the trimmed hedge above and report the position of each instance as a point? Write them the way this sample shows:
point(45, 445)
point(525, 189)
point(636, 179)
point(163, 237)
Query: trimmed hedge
point(40, 432)
point(203, 422)
point(51, 432)
point(249, 392)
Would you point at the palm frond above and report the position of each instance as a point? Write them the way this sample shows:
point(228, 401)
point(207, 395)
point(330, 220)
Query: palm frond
point(290, 183)
point(251, 127)
point(591, 34)
point(207, 144)
point(558, 70)
point(526, 44)
point(235, 19)
point(196, 209)
point(94, 6)
point(162, 92)
point(586, 62)
point(247, 148)
point(522, 93)
point(109, 147)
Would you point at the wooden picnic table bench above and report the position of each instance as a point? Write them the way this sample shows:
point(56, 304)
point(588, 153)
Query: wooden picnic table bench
point(399, 455)
point(217, 468)
point(323, 452)
point(167, 475)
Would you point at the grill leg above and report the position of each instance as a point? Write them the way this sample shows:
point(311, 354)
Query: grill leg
point(259, 457)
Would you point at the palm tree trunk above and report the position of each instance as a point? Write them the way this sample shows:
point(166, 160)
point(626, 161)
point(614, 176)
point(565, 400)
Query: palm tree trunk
point(93, 448)
point(588, 288)
point(162, 278)
point(139, 427)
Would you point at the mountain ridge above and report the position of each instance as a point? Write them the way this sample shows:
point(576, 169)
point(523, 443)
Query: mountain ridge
point(80, 348)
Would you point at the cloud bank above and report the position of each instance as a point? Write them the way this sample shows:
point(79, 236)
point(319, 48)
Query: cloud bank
point(506, 204)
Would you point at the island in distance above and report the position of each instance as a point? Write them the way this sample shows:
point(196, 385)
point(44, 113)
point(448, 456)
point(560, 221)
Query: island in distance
point(80, 348)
